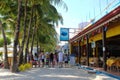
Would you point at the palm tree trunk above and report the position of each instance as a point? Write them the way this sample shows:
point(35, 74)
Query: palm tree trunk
point(14, 66)
point(37, 42)
point(32, 43)
point(6, 64)
point(33, 36)
point(24, 36)
point(37, 48)
point(28, 36)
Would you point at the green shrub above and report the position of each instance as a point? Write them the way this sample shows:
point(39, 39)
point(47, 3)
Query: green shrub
point(24, 67)
point(21, 67)
point(28, 66)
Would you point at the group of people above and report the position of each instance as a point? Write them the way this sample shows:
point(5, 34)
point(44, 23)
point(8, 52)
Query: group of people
point(50, 59)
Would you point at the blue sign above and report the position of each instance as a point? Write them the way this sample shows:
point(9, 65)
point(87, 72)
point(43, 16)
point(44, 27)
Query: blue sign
point(64, 34)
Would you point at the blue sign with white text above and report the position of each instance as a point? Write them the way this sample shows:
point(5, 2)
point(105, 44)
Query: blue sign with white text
point(64, 34)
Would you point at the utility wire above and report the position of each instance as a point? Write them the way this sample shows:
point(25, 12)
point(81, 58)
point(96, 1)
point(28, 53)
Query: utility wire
point(104, 8)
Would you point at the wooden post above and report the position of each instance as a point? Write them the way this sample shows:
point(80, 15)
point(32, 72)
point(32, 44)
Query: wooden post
point(70, 51)
point(87, 49)
point(79, 52)
point(104, 48)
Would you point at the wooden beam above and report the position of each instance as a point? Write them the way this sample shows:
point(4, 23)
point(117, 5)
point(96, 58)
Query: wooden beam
point(104, 48)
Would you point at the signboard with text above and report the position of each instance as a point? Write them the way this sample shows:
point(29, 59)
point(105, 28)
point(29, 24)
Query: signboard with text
point(64, 34)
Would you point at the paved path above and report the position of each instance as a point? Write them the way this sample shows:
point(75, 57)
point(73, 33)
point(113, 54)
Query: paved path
point(52, 74)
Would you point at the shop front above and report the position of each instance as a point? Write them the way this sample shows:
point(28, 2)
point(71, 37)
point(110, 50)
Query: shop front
point(99, 44)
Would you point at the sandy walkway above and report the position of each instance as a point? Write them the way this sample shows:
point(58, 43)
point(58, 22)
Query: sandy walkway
point(51, 74)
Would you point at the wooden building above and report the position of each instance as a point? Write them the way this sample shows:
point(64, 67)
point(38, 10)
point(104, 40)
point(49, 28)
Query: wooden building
point(97, 44)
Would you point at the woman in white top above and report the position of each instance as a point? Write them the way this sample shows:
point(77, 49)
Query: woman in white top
point(60, 59)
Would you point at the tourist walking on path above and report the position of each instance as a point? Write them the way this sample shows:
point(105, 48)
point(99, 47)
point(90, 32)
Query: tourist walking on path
point(66, 59)
point(51, 60)
point(72, 59)
point(47, 60)
point(55, 59)
point(43, 59)
point(60, 59)
point(35, 61)
point(39, 59)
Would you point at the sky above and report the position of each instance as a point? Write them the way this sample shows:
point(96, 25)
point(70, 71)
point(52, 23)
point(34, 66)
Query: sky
point(84, 10)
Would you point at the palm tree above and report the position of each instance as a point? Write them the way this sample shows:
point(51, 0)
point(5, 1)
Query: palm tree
point(46, 16)
point(28, 36)
point(33, 35)
point(6, 64)
point(50, 16)
point(14, 65)
point(6, 12)
point(33, 7)
point(24, 35)
point(9, 15)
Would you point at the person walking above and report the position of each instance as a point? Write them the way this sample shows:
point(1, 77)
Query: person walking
point(55, 59)
point(72, 59)
point(43, 59)
point(60, 59)
point(51, 60)
point(47, 60)
point(35, 59)
point(66, 59)
point(39, 59)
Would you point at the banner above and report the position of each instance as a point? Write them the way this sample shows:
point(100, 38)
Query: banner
point(64, 34)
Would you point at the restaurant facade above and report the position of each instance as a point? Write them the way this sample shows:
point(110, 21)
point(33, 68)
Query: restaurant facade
point(98, 45)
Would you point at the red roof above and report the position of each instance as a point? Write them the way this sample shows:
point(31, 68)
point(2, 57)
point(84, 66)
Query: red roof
point(103, 21)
